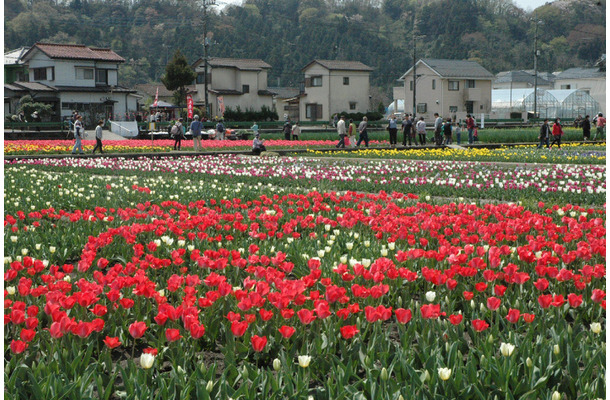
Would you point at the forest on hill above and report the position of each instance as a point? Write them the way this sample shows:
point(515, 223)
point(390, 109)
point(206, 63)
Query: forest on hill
point(288, 34)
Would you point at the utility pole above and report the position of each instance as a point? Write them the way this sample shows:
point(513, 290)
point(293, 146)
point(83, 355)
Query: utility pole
point(414, 65)
point(206, 43)
point(536, 69)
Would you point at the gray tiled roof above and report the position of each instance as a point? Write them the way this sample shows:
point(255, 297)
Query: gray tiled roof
point(341, 65)
point(581, 73)
point(284, 92)
point(457, 68)
point(75, 51)
point(239, 63)
point(520, 76)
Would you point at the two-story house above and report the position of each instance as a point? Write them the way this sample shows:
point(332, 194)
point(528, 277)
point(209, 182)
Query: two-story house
point(78, 78)
point(333, 86)
point(452, 88)
point(234, 83)
point(590, 80)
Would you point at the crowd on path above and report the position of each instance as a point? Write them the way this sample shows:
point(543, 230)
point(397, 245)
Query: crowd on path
point(413, 131)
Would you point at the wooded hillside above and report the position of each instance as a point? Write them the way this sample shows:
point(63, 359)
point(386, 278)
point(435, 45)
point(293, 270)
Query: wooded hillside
point(289, 33)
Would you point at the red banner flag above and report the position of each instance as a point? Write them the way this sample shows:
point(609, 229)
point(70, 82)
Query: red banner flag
point(189, 106)
point(221, 105)
point(156, 99)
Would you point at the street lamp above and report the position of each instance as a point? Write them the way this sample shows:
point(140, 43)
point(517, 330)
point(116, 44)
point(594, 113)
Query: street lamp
point(206, 43)
point(538, 22)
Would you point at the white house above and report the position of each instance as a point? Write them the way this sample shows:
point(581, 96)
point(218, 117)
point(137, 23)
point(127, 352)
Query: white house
point(237, 82)
point(452, 88)
point(333, 86)
point(77, 77)
point(589, 80)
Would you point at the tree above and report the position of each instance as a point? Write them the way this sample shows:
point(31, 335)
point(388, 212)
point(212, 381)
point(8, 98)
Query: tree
point(178, 74)
point(28, 106)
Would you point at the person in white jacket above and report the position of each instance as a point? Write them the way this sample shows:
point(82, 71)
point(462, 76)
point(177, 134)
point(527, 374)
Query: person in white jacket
point(98, 137)
point(342, 132)
point(420, 127)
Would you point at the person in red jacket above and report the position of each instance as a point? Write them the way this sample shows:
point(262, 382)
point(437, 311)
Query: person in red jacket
point(557, 133)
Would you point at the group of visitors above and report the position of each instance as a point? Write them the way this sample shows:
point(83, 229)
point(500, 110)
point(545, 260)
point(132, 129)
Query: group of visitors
point(550, 135)
point(414, 131)
point(347, 134)
point(79, 134)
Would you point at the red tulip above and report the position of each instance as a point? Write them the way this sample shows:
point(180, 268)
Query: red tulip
point(112, 342)
point(55, 330)
point(529, 318)
point(197, 330)
point(403, 316)
point(172, 335)
point(598, 295)
point(513, 315)
point(127, 303)
point(287, 331)
point(137, 329)
point(480, 287)
point(99, 310)
point(266, 315)
point(430, 311)
point(27, 335)
point(371, 314)
point(456, 319)
point(258, 342)
point(31, 322)
point(306, 316)
point(541, 284)
point(574, 300)
point(468, 296)
point(493, 303)
point(17, 346)
point(239, 328)
point(499, 290)
point(349, 331)
point(151, 351)
point(558, 301)
point(545, 300)
point(479, 325)
point(82, 329)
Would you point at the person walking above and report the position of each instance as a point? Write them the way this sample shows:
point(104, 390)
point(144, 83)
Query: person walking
point(393, 129)
point(447, 131)
point(254, 128)
point(601, 125)
point(545, 133)
point(470, 125)
point(296, 131)
point(407, 127)
point(557, 133)
point(220, 130)
point(421, 131)
point(178, 133)
point(342, 131)
point(457, 129)
point(364, 136)
point(78, 135)
point(196, 127)
point(98, 137)
point(351, 133)
point(287, 130)
point(438, 125)
point(586, 128)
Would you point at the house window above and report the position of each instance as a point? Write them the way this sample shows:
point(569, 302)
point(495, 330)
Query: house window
point(452, 109)
point(245, 88)
point(470, 84)
point(346, 80)
point(84, 73)
point(422, 108)
point(352, 105)
point(101, 76)
point(566, 86)
point(316, 81)
point(313, 111)
point(411, 85)
point(433, 84)
point(454, 85)
point(40, 74)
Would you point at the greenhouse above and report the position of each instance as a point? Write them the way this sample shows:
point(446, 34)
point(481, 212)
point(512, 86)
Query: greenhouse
point(574, 103)
point(566, 104)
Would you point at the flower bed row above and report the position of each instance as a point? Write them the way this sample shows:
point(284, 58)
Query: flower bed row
point(291, 288)
point(569, 154)
point(575, 183)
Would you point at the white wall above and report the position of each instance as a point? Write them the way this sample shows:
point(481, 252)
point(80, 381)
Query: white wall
point(596, 88)
point(65, 71)
point(334, 95)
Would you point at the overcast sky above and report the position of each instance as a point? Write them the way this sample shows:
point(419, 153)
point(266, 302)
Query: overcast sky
point(527, 5)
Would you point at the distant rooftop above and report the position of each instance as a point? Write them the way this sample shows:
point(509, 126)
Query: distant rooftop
point(581, 73)
point(15, 56)
point(74, 51)
point(520, 76)
point(454, 68)
point(340, 65)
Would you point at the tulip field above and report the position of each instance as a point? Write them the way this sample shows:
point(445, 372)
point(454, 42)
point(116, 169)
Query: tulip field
point(217, 277)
